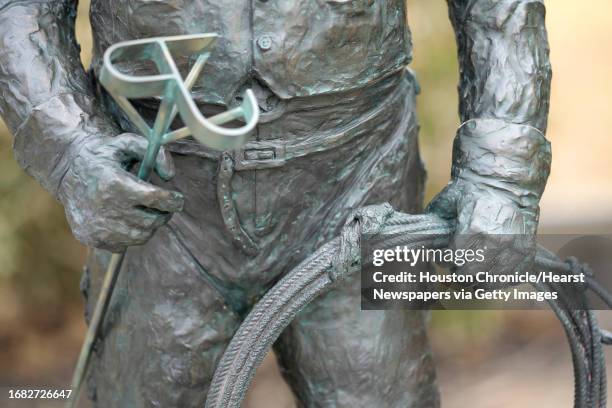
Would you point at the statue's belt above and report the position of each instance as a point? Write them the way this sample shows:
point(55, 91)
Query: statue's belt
point(265, 154)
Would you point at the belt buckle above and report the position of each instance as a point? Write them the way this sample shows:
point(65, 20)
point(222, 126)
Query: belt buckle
point(259, 155)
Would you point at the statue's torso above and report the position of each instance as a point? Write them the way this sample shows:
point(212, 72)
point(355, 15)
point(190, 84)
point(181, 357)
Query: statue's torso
point(333, 142)
point(294, 47)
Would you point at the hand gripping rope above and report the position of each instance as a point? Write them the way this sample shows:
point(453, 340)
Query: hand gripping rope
point(175, 96)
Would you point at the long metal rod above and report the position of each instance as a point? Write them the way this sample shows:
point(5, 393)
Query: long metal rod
point(166, 113)
point(114, 267)
point(110, 278)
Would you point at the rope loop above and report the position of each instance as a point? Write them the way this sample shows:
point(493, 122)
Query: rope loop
point(368, 220)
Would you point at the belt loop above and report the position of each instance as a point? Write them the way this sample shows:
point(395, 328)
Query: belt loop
point(259, 155)
point(241, 239)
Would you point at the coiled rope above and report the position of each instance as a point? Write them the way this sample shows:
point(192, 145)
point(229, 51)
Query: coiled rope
point(340, 257)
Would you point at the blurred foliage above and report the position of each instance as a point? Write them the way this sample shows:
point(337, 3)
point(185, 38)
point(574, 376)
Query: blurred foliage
point(40, 261)
point(436, 66)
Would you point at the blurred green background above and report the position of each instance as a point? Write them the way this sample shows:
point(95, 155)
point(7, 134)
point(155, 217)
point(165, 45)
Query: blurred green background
point(486, 359)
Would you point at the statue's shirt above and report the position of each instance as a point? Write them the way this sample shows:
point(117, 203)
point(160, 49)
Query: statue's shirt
point(294, 47)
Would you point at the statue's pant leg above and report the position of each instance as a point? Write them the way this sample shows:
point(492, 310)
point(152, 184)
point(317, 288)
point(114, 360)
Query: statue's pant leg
point(336, 355)
point(165, 331)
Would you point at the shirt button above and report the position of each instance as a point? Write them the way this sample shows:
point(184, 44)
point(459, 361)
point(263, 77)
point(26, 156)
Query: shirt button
point(264, 42)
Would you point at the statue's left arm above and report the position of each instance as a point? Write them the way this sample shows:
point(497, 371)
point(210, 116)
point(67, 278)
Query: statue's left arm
point(501, 158)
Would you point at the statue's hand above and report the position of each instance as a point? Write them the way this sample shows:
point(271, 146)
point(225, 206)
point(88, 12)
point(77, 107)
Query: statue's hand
point(488, 219)
point(106, 205)
point(498, 176)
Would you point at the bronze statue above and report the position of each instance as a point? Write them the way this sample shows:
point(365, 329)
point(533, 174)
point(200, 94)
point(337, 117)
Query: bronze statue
point(337, 131)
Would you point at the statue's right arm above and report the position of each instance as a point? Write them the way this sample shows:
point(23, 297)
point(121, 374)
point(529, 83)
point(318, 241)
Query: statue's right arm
point(46, 99)
point(62, 136)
